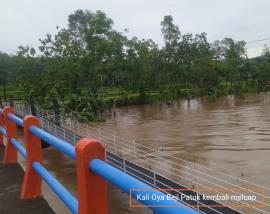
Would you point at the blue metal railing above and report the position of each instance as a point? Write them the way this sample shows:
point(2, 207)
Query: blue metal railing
point(136, 188)
point(19, 147)
point(127, 183)
point(16, 119)
point(3, 131)
point(57, 143)
point(69, 200)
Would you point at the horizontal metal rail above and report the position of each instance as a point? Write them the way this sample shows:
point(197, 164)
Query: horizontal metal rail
point(135, 187)
point(3, 131)
point(16, 119)
point(69, 200)
point(19, 147)
point(57, 143)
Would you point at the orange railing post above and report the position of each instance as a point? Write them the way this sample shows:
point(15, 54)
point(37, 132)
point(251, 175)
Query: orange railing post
point(92, 189)
point(11, 154)
point(31, 186)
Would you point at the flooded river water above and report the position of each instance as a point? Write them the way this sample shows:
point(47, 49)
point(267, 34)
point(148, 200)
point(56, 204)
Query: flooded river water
point(229, 133)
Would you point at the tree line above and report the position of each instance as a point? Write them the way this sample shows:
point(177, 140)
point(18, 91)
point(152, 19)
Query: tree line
point(89, 66)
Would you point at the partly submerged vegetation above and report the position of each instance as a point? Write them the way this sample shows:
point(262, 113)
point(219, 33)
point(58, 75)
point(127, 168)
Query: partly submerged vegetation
point(89, 67)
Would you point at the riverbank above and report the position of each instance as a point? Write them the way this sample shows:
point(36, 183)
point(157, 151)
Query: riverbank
point(85, 106)
point(168, 94)
point(173, 92)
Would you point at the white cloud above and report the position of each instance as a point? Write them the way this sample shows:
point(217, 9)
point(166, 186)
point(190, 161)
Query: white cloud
point(23, 22)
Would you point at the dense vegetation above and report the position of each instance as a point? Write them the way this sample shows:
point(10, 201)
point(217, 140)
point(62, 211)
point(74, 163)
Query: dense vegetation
point(89, 66)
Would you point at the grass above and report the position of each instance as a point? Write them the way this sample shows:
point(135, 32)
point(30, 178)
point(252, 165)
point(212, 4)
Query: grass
point(12, 91)
point(125, 97)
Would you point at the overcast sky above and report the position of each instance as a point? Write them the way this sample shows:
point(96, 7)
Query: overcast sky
point(23, 22)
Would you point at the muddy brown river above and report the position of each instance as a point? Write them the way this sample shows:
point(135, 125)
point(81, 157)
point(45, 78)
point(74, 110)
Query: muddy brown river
point(231, 134)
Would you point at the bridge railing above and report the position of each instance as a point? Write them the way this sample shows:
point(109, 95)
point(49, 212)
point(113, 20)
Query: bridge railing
point(92, 171)
point(191, 173)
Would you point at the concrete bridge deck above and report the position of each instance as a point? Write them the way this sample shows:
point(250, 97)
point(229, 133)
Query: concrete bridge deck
point(11, 177)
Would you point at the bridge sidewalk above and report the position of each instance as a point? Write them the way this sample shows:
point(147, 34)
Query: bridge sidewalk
point(11, 177)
